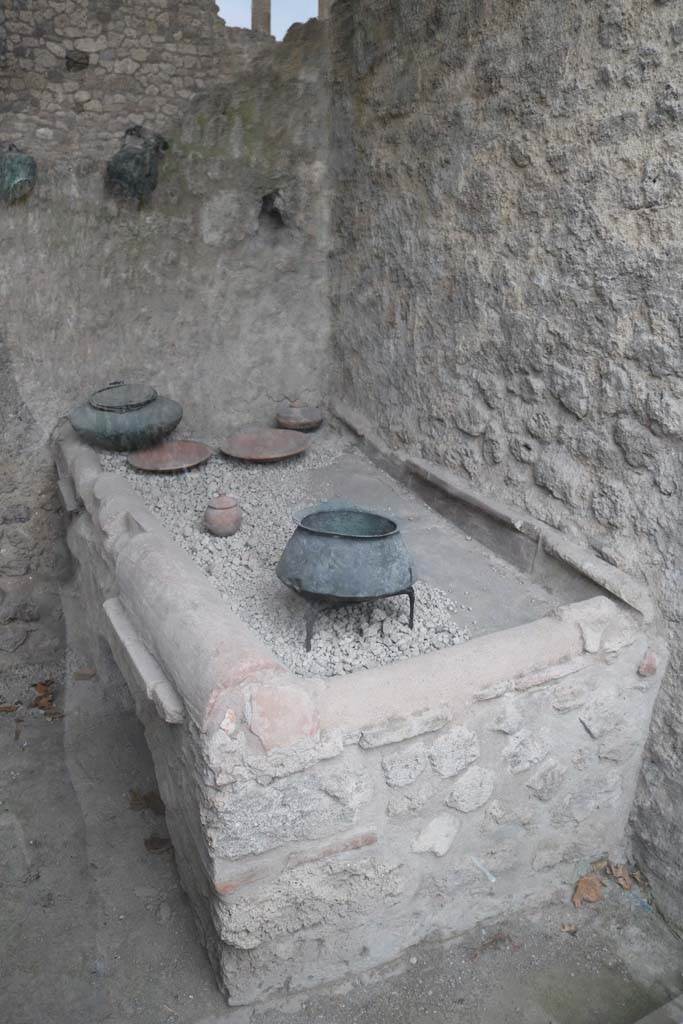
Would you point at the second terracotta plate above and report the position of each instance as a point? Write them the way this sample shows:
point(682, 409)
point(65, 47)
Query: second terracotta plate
point(170, 456)
point(263, 444)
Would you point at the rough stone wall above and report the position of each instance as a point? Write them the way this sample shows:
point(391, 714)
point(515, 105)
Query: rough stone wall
point(508, 278)
point(219, 304)
point(145, 61)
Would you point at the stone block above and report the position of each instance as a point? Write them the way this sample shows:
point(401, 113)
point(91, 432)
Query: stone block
point(648, 665)
point(546, 782)
point(564, 477)
point(601, 716)
point(437, 837)
point(409, 801)
point(253, 819)
point(281, 716)
point(471, 417)
point(494, 691)
point(569, 696)
point(472, 790)
point(523, 751)
point(280, 762)
point(510, 719)
point(90, 45)
point(572, 391)
point(405, 766)
point(395, 730)
point(453, 751)
point(305, 897)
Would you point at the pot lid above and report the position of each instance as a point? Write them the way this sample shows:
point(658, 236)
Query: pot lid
point(223, 501)
point(122, 397)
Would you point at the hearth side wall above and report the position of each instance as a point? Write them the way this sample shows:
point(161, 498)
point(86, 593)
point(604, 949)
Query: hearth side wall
point(323, 826)
point(222, 308)
point(507, 281)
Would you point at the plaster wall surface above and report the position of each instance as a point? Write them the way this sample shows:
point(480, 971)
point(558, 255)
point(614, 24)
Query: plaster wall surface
point(508, 276)
point(211, 294)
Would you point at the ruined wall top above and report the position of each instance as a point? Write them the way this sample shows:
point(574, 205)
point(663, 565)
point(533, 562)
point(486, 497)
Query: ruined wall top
point(74, 74)
point(261, 12)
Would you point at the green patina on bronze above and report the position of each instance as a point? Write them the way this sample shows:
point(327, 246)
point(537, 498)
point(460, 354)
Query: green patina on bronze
point(133, 172)
point(18, 173)
point(126, 416)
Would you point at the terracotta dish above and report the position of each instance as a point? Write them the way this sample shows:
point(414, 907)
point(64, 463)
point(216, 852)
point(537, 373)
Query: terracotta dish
point(170, 456)
point(265, 444)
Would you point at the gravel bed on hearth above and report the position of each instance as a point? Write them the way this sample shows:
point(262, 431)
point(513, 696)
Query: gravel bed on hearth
point(243, 566)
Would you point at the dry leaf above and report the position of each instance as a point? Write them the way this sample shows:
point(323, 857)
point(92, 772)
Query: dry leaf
point(621, 875)
point(44, 703)
point(569, 929)
point(588, 890)
point(43, 688)
point(8, 709)
point(157, 844)
point(600, 865)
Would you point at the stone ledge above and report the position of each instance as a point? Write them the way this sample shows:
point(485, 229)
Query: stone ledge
point(579, 558)
point(373, 702)
point(201, 648)
point(142, 672)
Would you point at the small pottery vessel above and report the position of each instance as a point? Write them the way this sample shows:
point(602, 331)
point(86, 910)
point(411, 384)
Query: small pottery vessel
point(297, 416)
point(223, 516)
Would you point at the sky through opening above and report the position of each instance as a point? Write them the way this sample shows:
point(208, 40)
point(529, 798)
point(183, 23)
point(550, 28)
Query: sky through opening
point(284, 13)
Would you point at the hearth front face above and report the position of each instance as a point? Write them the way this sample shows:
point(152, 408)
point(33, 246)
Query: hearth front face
point(324, 823)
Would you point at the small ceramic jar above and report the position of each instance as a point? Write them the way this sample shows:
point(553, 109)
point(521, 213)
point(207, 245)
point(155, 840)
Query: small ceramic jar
point(297, 416)
point(223, 516)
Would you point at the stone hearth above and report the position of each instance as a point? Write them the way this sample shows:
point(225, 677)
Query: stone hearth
point(323, 825)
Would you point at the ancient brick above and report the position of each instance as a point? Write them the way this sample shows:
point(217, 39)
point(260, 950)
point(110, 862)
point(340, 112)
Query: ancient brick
point(648, 666)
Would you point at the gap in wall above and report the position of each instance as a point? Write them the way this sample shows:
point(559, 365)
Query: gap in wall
point(237, 13)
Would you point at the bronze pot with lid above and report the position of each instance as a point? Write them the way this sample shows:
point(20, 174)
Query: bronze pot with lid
point(126, 416)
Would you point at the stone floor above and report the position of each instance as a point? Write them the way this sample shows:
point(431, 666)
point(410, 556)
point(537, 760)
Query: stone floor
point(95, 928)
